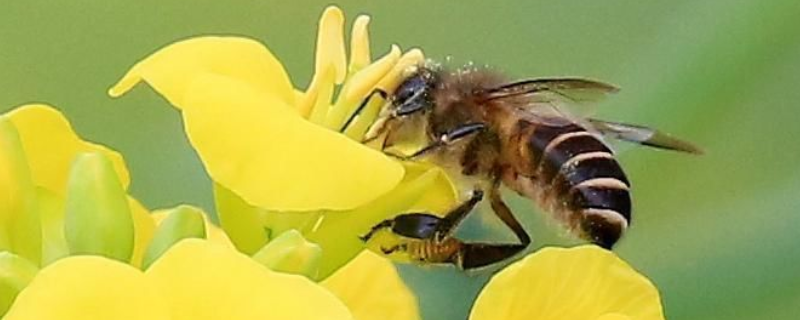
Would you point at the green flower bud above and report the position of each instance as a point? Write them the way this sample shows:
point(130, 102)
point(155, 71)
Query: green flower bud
point(15, 274)
point(291, 253)
point(181, 222)
point(98, 219)
point(19, 222)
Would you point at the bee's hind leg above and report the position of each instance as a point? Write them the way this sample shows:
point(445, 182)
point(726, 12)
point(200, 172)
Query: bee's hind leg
point(420, 225)
point(476, 255)
point(502, 211)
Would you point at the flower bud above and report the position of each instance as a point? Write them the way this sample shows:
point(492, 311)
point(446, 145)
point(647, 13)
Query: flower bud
point(291, 253)
point(19, 222)
point(181, 222)
point(15, 274)
point(98, 219)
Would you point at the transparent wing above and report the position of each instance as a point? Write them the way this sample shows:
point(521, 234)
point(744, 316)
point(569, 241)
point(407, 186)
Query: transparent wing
point(572, 89)
point(554, 100)
point(643, 135)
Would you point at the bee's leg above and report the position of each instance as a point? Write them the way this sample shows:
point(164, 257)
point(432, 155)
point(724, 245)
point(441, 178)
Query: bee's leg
point(382, 225)
point(453, 136)
point(453, 218)
point(476, 255)
point(419, 225)
point(400, 247)
point(363, 105)
point(504, 213)
point(412, 225)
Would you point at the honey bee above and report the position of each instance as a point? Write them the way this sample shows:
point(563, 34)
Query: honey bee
point(490, 133)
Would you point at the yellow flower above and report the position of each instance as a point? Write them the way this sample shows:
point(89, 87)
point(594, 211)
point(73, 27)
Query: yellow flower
point(582, 283)
point(69, 189)
point(198, 279)
point(274, 152)
point(52, 178)
point(61, 196)
point(195, 280)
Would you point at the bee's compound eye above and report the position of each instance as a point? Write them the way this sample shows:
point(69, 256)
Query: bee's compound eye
point(410, 88)
point(411, 95)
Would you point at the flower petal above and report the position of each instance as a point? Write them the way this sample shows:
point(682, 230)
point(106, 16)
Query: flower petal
point(330, 43)
point(172, 69)
point(580, 283)
point(371, 287)
point(358, 87)
point(338, 232)
point(241, 221)
point(359, 45)
point(202, 280)
point(51, 145)
point(275, 159)
point(88, 288)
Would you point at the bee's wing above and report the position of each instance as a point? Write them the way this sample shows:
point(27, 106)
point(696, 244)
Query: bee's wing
point(553, 100)
point(643, 135)
point(575, 90)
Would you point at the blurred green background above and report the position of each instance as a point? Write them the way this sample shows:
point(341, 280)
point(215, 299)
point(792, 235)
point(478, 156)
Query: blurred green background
point(718, 234)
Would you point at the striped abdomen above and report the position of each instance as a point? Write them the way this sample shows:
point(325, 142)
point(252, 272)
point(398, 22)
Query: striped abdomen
point(574, 175)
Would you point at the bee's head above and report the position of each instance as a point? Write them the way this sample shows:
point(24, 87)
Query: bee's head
point(412, 96)
point(414, 93)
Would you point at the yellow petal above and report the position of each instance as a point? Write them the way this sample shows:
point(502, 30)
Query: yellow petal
point(241, 221)
point(442, 193)
point(359, 45)
point(202, 280)
point(88, 288)
point(276, 160)
point(371, 287)
point(172, 69)
point(330, 43)
point(579, 283)
point(19, 220)
point(358, 87)
point(413, 57)
point(338, 232)
point(51, 145)
point(322, 87)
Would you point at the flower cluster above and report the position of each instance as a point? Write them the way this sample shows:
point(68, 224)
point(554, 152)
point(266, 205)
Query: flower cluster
point(292, 193)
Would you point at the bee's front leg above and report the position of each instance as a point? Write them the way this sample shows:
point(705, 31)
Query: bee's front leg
point(449, 138)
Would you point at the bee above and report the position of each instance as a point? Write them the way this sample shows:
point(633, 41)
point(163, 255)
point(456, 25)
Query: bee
point(489, 132)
